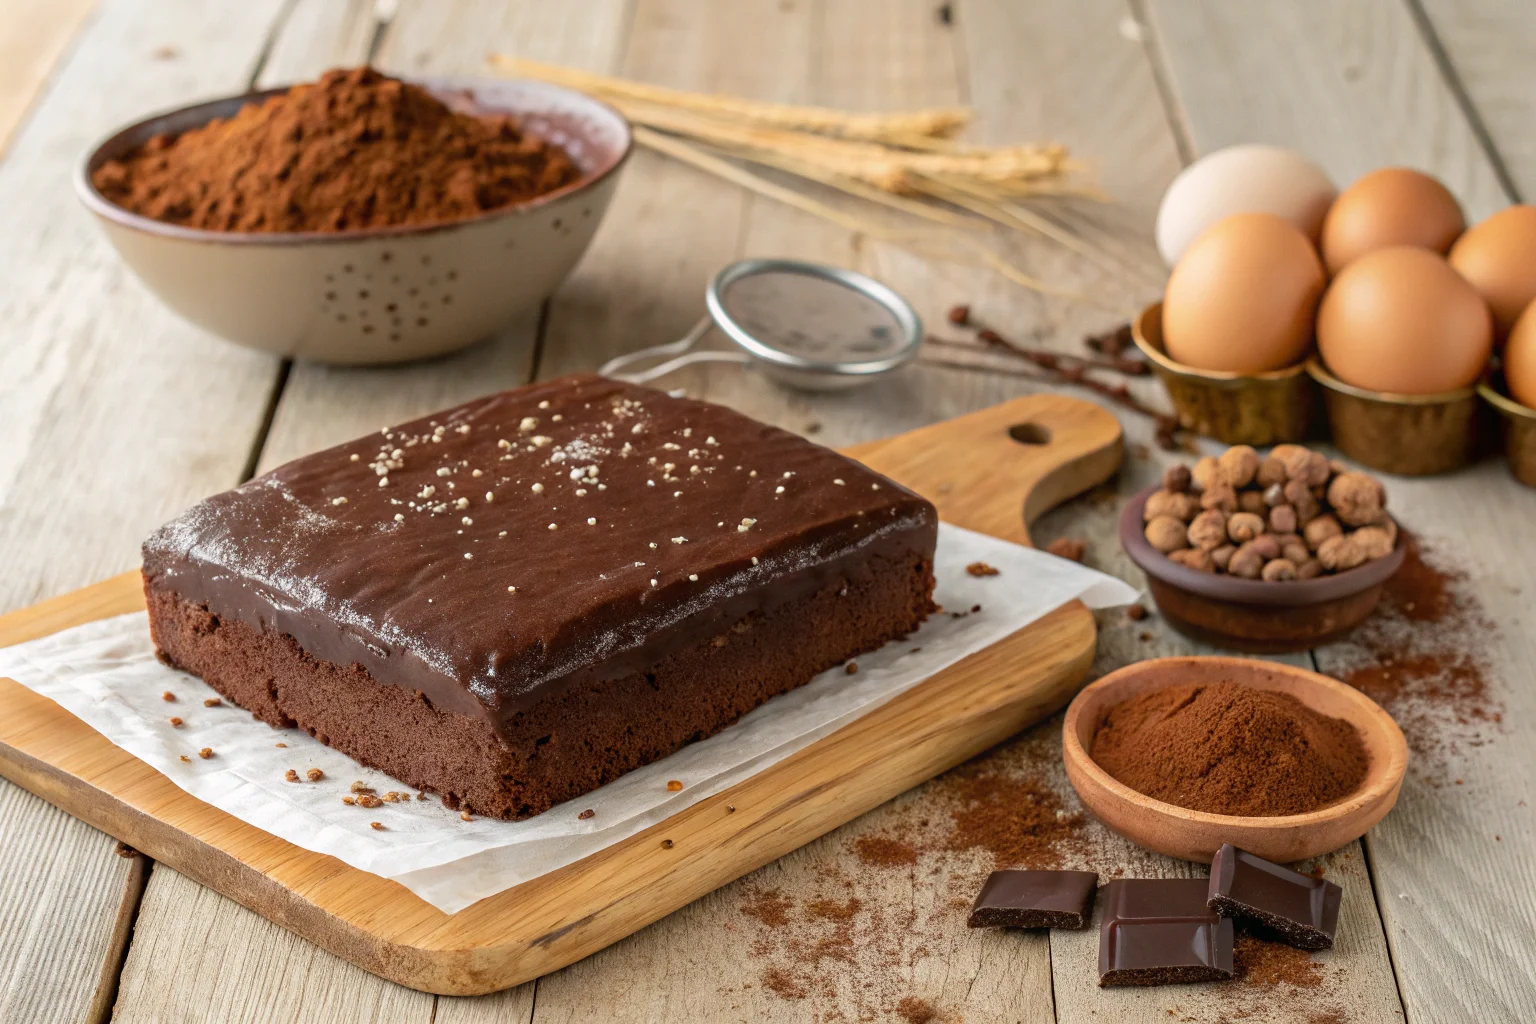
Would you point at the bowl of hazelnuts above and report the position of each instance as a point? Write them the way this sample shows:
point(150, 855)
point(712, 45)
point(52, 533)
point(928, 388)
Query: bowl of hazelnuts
point(1264, 553)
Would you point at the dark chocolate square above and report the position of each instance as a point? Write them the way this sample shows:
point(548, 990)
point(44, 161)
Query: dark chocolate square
point(1158, 931)
point(1293, 908)
point(1035, 899)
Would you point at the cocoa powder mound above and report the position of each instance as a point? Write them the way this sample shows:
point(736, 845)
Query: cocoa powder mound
point(354, 150)
point(1230, 749)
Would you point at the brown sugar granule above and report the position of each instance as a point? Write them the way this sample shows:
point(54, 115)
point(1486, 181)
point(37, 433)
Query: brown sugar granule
point(674, 786)
point(314, 775)
point(769, 906)
point(884, 851)
point(1068, 548)
point(916, 1011)
point(584, 815)
point(377, 826)
point(176, 723)
point(1230, 749)
point(167, 696)
point(981, 569)
point(205, 753)
point(356, 149)
point(291, 776)
point(212, 702)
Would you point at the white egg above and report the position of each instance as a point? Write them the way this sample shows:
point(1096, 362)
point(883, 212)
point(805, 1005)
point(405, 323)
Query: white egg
point(1250, 178)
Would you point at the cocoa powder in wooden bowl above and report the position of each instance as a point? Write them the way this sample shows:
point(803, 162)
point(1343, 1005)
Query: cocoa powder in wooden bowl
point(1317, 753)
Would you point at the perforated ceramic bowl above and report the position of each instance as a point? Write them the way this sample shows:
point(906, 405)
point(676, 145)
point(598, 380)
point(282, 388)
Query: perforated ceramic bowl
point(379, 295)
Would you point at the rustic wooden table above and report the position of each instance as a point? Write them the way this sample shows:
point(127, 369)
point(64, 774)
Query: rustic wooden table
point(114, 415)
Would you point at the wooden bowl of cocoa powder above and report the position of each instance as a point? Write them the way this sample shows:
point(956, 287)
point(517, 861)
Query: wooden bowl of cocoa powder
point(1196, 835)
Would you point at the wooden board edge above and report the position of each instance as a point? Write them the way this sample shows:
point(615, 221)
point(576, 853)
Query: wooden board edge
point(446, 957)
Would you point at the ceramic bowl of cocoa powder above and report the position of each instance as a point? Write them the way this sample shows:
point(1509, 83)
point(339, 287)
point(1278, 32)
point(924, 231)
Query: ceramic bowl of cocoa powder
point(1311, 763)
point(360, 219)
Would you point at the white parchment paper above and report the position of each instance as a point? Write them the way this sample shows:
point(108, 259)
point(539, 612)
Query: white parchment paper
point(106, 674)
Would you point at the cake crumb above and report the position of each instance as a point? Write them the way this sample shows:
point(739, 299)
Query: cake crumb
point(290, 775)
point(392, 797)
point(283, 745)
point(981, 569)
point(584, 815)
point(213, 702)
point(730, 808)
point(360, 787)
point(674, 786)
point(851, 668)
point(466, 816)
point(348, 801)
point(1067, 547)
point(1136, 613)
point(185, 758)
point(666, 844)
point(176, 722)
point(369, 800)
point(167, 696)
point(421, 796)
point(314, 775)
point(205, 753)
point(377, 826)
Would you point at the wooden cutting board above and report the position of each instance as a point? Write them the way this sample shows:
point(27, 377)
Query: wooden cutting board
point(992, 471)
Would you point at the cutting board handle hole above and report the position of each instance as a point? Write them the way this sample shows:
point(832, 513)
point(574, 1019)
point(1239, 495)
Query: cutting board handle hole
point(1030, 433)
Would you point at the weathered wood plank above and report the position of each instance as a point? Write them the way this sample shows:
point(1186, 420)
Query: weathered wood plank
point(66, 904)
point(1356, 87)
point(198, 956)
point(33, 35)
point(115, 416)
point(1490, 48)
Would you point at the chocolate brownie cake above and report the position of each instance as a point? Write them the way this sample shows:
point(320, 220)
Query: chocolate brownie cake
point(516, 601)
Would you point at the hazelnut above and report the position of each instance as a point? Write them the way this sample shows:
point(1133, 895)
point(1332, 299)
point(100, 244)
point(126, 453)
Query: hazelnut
point(1194, 558)
point(1357, 499)
point(1166, 534)
point(1387, 523)
point(1181, 506)
point(1176, 479)
point(1296, 460)
point(1239, 464)
point(1309, 569)
point(1251, 501)
point(1205, 473)
point(1246, 563)
point(1282, 519)
point(1274, 494)
point(1223, 555)
point(1372, 541)
point(1301, 498)
point(1209, 530)
point(1338, 554)
point(1219, 495)
point(1267, 545)
point(1293, 549)
point(1279, 569)
point(1244, 526)
point(1271, 472)
point(1320, 529)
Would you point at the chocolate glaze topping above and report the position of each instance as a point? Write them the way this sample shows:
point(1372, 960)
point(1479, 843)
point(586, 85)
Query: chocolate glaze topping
point(571, 530)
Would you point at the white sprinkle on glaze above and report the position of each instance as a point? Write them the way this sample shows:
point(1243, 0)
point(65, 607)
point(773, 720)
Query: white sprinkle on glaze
point(552, 526)
point(746, 524)
point(467, 521)
point(874, 487)
point(528, 423)
point(653, 545)
point(779, 489)
point(503, 443)
point(693, 577)
point(444, 471)
point(544, 404)
point(538, 488)
point(355, 457)
point(461, 504)
point(653, 583)
point(839, 482)
point(754, 559)
point(383, 481)
point(468, 555)
point(591, 521)
point(511, 590)
point(399, 517)
point(338, 501)
point(427, 491)
point(679, 540)
point(581, 492)
point(489, 496)
point(539, 440)
point(677, 494)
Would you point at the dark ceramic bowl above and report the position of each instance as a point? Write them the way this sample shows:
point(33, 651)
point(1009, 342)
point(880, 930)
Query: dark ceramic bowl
point(1254, 615)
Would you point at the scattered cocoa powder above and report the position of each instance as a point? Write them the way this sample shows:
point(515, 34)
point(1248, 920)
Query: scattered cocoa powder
point(769, 906)
point(1258, 962)
point(1020, 822)
point(885, 852)
point(354, 150)
point(781, 984)
point(1230, 749)
point(1421, 656)
point(916, 1011)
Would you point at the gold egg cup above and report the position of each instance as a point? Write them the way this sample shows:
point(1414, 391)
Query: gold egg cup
point(1259, 409)
point(1407, 435)
point(1519, 423)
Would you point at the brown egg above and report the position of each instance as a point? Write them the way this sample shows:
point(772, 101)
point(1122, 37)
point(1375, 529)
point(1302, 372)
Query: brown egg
point(1520, 358)
point(1401, 320)
point(1392, 206)
point(1242, 296)
point(1499, 257)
